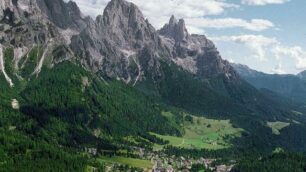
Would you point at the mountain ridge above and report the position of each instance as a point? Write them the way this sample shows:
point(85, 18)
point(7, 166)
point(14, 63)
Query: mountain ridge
point(145, 39)
point(107, 84)
point(287, 85)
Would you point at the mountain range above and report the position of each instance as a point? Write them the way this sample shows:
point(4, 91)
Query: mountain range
point(70, 83)
point(292, 87)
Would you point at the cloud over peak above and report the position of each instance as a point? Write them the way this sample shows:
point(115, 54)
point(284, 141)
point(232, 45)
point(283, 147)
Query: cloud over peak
point(159, 11)
point(179, 8)
point(222, 23)
point(197, 13)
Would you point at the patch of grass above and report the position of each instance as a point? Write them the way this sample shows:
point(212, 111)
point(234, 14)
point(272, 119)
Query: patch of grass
point(132, 162)
point(204, 133)
point(277, 126)
point(130, 139)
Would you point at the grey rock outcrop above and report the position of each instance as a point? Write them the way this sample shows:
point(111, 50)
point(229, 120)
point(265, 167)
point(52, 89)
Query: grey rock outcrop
point(121, 43)
point(195, 53)
point(64, 15)
point(176, 30)
point(44, 24)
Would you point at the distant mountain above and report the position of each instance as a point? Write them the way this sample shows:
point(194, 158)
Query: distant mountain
point(302, 75)
point(290, 86)
point(245, 71)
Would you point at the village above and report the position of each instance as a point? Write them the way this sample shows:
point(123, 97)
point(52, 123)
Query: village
point(160, 162)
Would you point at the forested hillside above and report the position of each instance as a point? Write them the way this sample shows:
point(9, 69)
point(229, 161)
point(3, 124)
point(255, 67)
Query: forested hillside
point(115, 94)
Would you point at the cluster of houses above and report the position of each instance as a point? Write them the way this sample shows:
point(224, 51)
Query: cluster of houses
point(182, 164)
point(172, 164)
point(166, 163)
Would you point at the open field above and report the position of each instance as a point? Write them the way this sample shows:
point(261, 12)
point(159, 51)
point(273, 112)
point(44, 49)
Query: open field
point(277, 126)
point(138, 163)
point(204, 133)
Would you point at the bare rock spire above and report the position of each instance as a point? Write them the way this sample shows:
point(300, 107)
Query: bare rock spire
point(176, 30)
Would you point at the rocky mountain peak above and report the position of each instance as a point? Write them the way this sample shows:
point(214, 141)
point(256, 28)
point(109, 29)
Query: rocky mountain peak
point(121, 43)
point(118, 39)
point(172, 21)
point(64, 15)
point(176, 30)
point(38, 25)
point(120, 13)
point(195, 53)
point(126, 25)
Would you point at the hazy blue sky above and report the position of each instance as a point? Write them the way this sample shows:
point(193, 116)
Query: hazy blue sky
point(267, 35)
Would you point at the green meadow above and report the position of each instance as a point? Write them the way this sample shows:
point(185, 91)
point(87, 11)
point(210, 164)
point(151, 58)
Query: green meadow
point(203, 133)
point(132, 162)
point(277, 126)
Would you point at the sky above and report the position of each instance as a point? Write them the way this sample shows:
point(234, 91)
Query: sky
point(266, 35)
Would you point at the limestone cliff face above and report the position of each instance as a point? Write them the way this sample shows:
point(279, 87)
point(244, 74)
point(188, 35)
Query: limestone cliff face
point(64, 15)
point(120, 44)
point(195, 53)
point(176, 30)
point(46, 25)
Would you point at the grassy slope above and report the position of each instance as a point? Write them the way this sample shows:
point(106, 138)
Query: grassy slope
point(277, 126)
point(204, 133)
point(138, 163)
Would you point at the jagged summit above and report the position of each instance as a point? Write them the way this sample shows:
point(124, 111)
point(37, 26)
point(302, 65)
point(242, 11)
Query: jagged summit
point(176, 30)
point(64, 15)
point(115, 41)
point(172, 21)
point(126, 24)
point(41, 26)
point(120, 13)
point(118, 39)
point(195, 53)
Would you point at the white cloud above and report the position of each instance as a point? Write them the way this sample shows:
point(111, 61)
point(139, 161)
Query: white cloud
point(266, 48)
point(91, 7)
point(263, 2)
point(278, 69)
point(258, 44)
point(231, 60)
point(182, 8)
point(253, 25)
point(192, 11)
point(153, 8)
point(195, 30)
point(296, 52)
